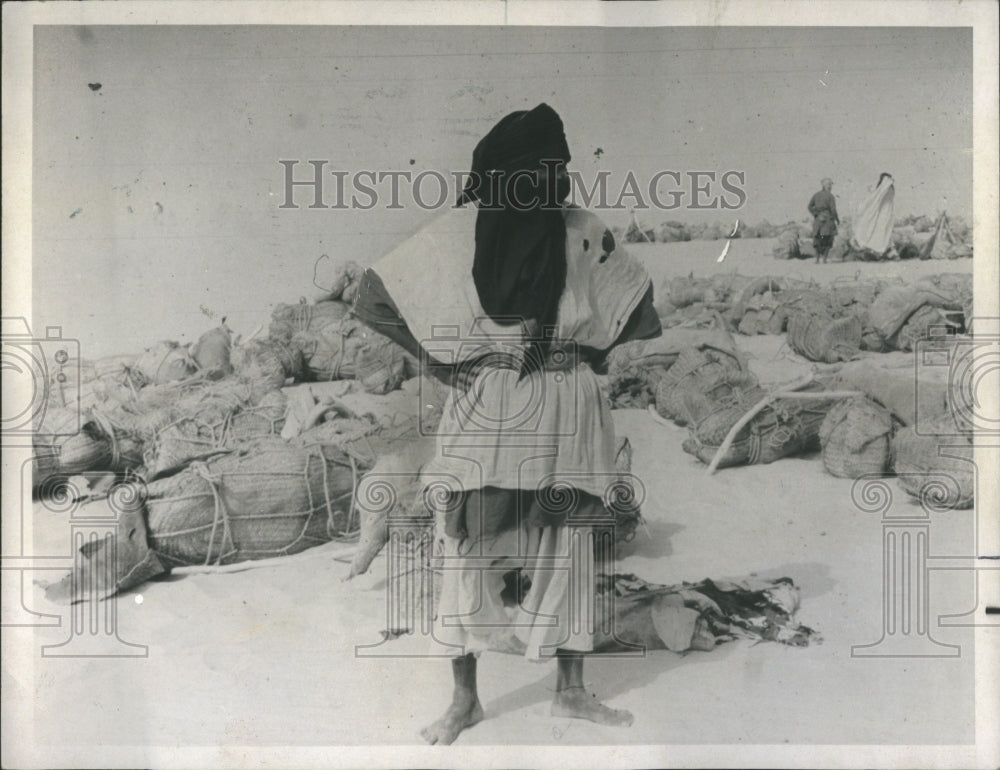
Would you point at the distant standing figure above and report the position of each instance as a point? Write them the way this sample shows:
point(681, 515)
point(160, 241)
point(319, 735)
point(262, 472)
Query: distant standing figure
point(872, 223)
point(823, 207)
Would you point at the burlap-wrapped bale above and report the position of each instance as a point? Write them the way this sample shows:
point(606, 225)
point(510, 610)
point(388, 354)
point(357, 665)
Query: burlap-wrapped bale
point(636, 234)
point(955, 290)
point(289, 320)
point(820, 337)
point(636, 368)
point(82, 384)
point(215, 418)
point(910, 244)
point(265, 499)
point(787, 246)
point(927, 322)
point(67, 442)
point(871, 340)
point(339, 279)
point(672, 232)
point(749, 295)
point(936, 464)
point(781, 429)
point(351, 350)
point(909, 398)
point(895, 304)
point(687, 290)
point(856, 438)
point(267, 359)
point(62, 447)
point(166, 361)
point(854, 295)
point(762, 314)
point(841, 246)
point(212, 352)
point(700, 379)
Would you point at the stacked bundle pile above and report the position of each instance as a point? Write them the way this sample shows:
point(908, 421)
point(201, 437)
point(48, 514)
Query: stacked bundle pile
point(689, 301)
point(210, 420)
point(763, 305)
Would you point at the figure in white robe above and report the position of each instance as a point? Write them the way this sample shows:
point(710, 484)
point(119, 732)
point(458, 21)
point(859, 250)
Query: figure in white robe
point(872, 226)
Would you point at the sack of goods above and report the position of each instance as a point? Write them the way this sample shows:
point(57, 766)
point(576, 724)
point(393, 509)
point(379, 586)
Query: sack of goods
point(165, 362)
point(700, 379)
point(267, 359)
point(822, 338)
point(918, 308)
point(265, 499)
point(856, 438)
point(82, 384)
point(289, 320)
point(758, 309)
point(636, 368)
point(934, 463)
point(212, 352)
point(350, 350)
point(66, 443)
point(216, 417)
point(780, 429)
point(787, 246)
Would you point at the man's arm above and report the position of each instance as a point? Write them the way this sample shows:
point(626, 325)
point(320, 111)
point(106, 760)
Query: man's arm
point(813, 208)
point(833, 209)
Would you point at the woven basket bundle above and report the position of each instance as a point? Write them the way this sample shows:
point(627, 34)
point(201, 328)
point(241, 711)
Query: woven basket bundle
point(856, 438)
point(780, 429)
point(698, 380)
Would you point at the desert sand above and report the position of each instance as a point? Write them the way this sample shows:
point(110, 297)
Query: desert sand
point(267, 656)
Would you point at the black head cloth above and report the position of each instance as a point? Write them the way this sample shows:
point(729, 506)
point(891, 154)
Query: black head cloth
point(520, 262)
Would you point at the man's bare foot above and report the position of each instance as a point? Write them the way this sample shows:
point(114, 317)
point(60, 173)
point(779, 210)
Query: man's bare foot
point(576, 702)
point(462, 713)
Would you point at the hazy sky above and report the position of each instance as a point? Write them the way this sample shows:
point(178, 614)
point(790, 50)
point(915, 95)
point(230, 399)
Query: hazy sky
point(159, 192)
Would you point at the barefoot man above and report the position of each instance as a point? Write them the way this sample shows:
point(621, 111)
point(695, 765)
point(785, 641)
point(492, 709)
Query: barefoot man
point(526, 440)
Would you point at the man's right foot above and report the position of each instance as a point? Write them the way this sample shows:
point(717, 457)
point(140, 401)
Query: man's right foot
point(462, 713)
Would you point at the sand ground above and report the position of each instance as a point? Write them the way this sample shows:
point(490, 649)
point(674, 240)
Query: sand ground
point(267, 656)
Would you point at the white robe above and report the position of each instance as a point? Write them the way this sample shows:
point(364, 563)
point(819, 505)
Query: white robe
point(872, 226)
point(547, 429)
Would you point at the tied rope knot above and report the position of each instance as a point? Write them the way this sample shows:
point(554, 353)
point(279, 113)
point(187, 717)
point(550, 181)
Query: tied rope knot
point(221, 514)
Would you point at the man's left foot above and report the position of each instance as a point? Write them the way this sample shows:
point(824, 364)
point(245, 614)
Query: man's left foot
point(577, 703)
